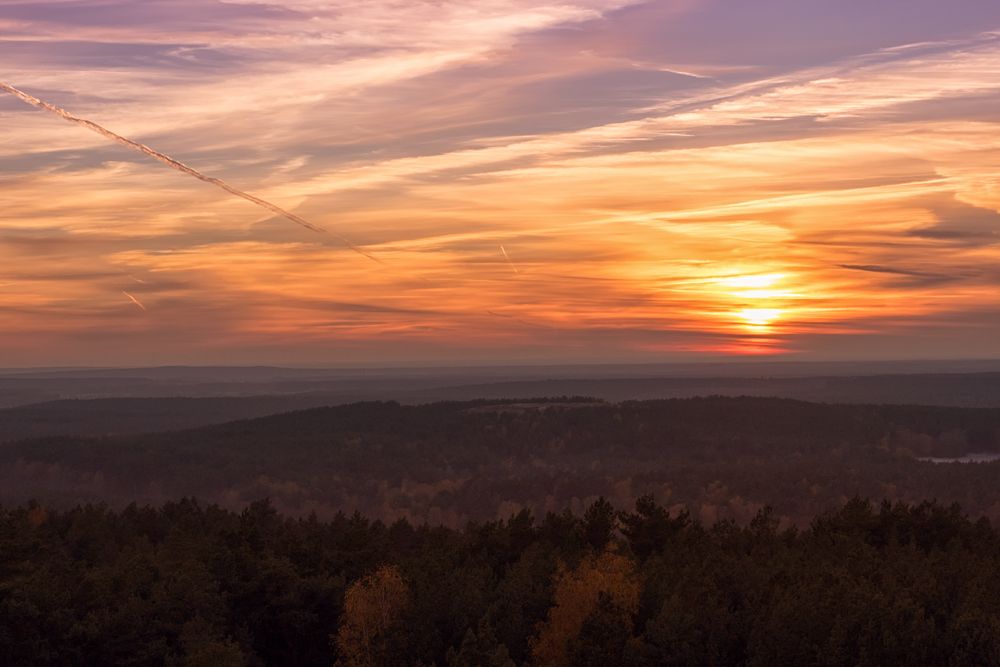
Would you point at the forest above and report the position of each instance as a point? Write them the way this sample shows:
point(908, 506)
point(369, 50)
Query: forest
point(450, 463)
point(193, 584)
point(555, 532)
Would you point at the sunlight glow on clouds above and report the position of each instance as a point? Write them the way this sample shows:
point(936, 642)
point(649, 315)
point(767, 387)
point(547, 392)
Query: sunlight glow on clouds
point(829, 192)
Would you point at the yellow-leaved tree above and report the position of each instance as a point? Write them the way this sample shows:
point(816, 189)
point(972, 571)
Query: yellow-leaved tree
point(577, 593)
point(372, 605)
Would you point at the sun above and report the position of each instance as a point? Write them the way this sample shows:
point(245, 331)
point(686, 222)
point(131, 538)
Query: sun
point(757, 301)
point(759, 317)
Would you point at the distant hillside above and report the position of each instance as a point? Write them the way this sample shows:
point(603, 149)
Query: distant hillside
point(145, 406)
point(958, 390)
point(450, 462)
point(130, 416)
point(314, 388)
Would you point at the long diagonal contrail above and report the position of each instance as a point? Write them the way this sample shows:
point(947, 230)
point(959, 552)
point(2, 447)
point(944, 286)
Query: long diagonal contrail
point(503, 251)
point(171, 162)
point(134, 300)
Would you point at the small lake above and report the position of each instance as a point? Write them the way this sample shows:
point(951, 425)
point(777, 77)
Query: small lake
point(984, 457)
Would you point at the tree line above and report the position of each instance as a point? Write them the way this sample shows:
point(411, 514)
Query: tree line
point(192, 584)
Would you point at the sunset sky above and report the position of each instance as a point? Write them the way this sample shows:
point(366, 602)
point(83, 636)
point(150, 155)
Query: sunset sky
point(571, 180)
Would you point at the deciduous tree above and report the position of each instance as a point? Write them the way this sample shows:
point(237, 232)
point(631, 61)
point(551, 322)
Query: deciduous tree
point(372, 605)
point(578, 593)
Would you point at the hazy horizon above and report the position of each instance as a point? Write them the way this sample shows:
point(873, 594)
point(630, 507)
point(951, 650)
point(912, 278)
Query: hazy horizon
point(808, 366)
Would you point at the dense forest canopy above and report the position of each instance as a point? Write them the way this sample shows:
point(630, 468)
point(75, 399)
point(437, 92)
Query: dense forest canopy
point(189, 584)
point(447, 463)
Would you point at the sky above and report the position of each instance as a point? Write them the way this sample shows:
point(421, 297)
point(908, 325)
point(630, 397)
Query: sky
point(537, 180)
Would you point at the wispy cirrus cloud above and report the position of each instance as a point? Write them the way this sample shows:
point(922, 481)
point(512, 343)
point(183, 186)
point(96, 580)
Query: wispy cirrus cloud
point(658, 195)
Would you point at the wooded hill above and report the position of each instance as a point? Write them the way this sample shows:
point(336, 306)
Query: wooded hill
point(447, 463)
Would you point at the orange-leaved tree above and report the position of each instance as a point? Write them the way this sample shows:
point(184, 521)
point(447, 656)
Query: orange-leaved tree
point(578, 592)
point(372, 605)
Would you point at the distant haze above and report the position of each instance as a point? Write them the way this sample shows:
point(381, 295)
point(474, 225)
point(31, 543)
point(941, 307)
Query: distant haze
point(264, 390)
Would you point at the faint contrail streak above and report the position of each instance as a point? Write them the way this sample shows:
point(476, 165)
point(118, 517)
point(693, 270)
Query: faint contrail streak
point(503, 251)
point(518, 320)
point(134, 300)
point(171, 162)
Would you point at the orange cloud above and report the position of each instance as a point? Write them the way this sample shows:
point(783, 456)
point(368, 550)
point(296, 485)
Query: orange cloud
point(747, 214)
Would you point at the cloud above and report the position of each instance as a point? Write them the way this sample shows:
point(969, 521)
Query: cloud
point(147, 15)
point(911, 279)
point(856, 157)
point(874, 268)
point(961, 223)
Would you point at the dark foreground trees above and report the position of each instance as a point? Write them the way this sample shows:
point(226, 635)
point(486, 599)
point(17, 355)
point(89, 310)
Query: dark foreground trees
point(186, 584)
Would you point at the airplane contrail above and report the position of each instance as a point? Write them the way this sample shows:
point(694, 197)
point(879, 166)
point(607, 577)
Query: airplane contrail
point(171, 162)
point(134, 300)
point(518, 320)
point(503, 251)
